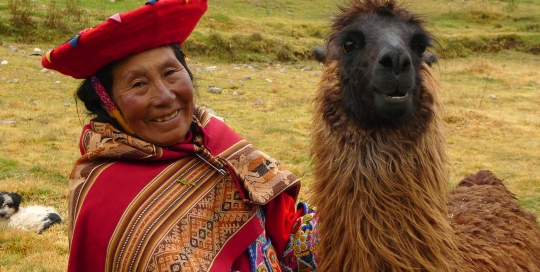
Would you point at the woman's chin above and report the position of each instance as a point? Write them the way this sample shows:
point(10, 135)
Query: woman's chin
point(166, 137)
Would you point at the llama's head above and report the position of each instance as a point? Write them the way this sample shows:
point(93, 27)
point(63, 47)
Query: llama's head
point(377, 50)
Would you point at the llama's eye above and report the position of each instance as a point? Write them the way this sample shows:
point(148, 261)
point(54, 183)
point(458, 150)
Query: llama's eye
point(349, 46)
point(419, 44)
point(421, 48)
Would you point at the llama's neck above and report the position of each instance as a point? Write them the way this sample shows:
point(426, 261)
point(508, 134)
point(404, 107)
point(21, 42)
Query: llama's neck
point(380, 198)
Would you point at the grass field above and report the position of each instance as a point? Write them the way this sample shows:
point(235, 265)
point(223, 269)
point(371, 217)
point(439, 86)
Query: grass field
point(491, 94)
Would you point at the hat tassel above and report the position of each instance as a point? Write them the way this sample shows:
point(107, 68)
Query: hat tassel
point(109, 105)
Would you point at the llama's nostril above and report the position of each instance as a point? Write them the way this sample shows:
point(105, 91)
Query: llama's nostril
point(406, 63)
point(386, 62)
point(395, 61)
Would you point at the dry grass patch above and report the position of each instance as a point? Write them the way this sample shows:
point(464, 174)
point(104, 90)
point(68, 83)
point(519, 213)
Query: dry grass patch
point(493, 119)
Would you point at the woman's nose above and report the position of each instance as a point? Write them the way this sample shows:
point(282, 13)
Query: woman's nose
point(163, 94)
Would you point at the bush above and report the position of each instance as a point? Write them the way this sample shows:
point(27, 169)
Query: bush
point(54, 17)
point(21, 12)
point(28, 23)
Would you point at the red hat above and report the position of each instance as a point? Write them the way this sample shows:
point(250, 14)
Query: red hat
point(157, 23)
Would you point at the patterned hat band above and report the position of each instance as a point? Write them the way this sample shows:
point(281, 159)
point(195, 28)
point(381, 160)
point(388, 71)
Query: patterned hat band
point(109, 105)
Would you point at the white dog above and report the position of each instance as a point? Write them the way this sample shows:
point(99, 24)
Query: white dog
point(35, 218)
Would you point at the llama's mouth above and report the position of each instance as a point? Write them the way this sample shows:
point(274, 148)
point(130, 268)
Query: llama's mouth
point(396, 97)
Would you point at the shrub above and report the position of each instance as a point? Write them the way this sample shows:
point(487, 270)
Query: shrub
point(21, 12)
point(54, 17)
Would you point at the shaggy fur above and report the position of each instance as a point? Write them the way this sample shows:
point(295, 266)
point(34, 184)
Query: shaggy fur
point(33, 218)
point(380, 187)
point(482, 207)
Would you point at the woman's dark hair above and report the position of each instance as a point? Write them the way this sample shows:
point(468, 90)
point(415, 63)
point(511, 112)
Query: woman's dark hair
point(91, 100)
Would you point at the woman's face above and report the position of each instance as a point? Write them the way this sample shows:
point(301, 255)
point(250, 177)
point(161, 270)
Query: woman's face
point(155, 95)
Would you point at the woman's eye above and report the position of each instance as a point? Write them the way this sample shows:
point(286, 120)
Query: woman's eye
point(137, 84)
point(170, 72)
point(349, 46)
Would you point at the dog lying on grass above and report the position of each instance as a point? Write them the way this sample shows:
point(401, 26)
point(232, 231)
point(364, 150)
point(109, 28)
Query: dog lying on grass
point(34, 218)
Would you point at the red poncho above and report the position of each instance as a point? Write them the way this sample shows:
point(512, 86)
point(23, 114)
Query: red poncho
point(196, 205)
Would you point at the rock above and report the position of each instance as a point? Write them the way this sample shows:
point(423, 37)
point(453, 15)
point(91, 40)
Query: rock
point(13, 48)
point(7, 122)
point(44, 70)
point(210, 68)
point(57, 82)
point(259, 102)
point(241, 82)
point(492, 96)
point(236, 94)
point(4, 62)
point(215, 90)
point(211, 111)
point(248, 77)
point(308, 68)
point(269, 80)
point(67, 105)
point(37, 50)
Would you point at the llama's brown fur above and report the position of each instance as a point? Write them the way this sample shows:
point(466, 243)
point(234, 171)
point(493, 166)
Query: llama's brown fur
point(381, 196)
point(493, 230)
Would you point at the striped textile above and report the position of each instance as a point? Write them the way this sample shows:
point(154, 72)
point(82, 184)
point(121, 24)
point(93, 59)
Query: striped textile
point(134, 206)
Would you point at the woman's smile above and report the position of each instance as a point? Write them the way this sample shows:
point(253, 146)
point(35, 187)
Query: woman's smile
point(166, 118)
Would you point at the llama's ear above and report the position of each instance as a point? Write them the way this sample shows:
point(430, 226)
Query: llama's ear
point(429, 58)
point(319, 53)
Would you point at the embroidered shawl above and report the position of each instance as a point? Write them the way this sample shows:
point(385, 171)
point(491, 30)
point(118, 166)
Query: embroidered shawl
point(134, 206)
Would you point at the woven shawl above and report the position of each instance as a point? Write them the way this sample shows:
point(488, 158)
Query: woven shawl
point(134, 206)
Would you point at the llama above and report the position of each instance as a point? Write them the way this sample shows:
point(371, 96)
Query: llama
point(380, 166)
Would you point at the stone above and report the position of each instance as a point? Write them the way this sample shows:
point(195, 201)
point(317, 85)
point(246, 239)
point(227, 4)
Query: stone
point(215, 90)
